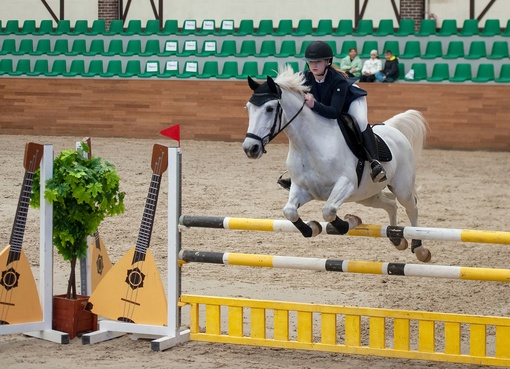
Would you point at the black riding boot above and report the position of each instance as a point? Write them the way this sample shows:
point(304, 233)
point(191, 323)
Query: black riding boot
point(377, 172)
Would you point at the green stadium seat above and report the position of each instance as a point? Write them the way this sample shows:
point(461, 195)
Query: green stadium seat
point(226, 28)
point(96, 48)
point(29, 27)
point(134, 47)
point(6, 66)
point(134, 27)
point(189, 27)
point(401, 71)
point(346, 46)
point(427, 28)
point(492, 27)
point(116, 47)
point(405, 28)
point(9, 46)
point(208, 28)
point(267, 49)
point(61, 47)
point(250, 69)
point(133, 69)
point(394, 46)
point(151, 69)
point(411, 50)
point(246, 27)
point(506, 31)
point(385, 28)
point(484, 74)
point(288, 49)
point(11, 27)
point(230, 70)
point(81, 27)
point(58, 68)
point(455, 50)
point(171, 47)
point(477, 50)
point(324, 28)
point(151, 28)
point(77, 68)
point(113, 69)
point(26, 46)
point(303, 47)
point(420, 72)
point(210, 70)
point(209, 48)
point(45, 28)
point(171, 27)
point(469, 28)
point(171, 69)
point(190, 48)
point(462, 73)
point(367, 47)
point(95, 69)
point(190, 69)
point(40, 68)
point(151, 48)
point(270, 69)
point(116, 28)
point(504, 74)
point(448, 28)
point(248, 48)
point(365, 27)
point(434, 49)
point(344, 28)
point(499, 50)
point(63, 27)
point(43, 47)
point(98, 28)
point(228, 48)
point(304, 28)
point(440, 72)
point(284, 28)
point(22, 67)
point(264, 28)
point(294, 66)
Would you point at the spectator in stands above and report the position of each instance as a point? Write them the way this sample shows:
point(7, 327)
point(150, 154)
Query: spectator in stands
point(351, 64)
point(371, 67)
point(390, 70)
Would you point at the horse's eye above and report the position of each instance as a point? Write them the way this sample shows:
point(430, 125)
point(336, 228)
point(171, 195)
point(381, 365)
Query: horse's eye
point(269, 109)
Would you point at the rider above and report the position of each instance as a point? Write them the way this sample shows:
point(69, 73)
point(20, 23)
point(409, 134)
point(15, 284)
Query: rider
point(332, 94)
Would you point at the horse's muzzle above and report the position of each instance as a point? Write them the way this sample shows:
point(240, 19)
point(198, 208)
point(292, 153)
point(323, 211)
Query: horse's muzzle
point(253, 148)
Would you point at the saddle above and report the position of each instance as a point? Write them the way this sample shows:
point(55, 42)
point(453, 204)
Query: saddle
point(352, 134)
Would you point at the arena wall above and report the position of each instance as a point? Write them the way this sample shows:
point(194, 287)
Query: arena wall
point(461, 116)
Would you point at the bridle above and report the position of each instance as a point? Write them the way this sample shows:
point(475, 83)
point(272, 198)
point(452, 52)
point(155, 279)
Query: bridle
point(260, 99)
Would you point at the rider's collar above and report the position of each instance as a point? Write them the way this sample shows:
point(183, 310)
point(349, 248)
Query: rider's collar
point(263, 94)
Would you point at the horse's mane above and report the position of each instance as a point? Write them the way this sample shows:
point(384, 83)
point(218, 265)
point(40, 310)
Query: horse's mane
point(288, 80)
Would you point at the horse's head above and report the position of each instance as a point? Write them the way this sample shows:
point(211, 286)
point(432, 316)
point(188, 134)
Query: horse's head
point(263, 113)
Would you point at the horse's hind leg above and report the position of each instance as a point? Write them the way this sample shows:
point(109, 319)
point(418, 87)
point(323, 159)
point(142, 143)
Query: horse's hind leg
point(386, 201)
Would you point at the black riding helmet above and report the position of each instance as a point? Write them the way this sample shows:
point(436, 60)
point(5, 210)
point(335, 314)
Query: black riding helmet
point(318, 50)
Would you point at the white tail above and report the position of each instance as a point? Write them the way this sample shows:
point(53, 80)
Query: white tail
point(413, 125)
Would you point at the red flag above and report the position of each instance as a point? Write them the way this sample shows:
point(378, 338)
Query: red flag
point(173, 132)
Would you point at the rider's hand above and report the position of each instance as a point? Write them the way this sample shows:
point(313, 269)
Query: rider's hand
point(310, 101)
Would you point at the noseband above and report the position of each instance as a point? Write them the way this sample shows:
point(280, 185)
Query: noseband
point(260, 99)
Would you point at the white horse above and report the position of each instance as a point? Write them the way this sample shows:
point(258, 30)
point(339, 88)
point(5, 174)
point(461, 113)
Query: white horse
point(321, 165)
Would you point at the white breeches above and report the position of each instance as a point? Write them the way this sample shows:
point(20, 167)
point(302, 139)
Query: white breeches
point(358, 109)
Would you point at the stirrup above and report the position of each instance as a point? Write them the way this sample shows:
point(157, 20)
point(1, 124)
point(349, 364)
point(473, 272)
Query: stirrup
point(377, 172)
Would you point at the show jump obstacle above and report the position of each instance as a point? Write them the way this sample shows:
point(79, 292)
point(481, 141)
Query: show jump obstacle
point(434, 336)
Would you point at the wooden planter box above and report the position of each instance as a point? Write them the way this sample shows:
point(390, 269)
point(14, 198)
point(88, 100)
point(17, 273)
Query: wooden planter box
point(70, 316)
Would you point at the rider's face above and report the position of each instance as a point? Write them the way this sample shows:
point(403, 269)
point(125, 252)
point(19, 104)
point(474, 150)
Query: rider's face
point(317, 67)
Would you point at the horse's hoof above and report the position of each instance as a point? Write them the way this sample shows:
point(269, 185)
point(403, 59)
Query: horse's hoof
point(316, 228)
point(399, 243)
point(423, 254)
point(353, 220)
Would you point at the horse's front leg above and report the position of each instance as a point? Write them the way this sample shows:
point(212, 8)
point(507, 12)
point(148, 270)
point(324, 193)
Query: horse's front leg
point(341, 192)
point(298, 197)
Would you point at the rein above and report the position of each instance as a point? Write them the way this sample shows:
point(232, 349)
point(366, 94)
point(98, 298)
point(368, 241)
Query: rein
point(277, 122)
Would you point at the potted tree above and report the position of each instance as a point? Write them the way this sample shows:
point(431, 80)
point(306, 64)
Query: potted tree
point(83, 192)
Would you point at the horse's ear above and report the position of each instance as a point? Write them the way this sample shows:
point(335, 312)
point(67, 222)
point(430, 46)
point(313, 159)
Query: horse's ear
point(253, 84)
point(272, 85)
